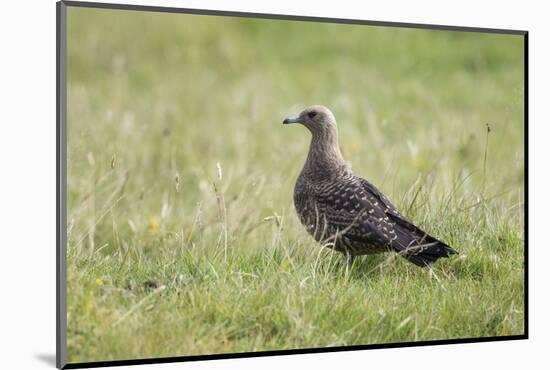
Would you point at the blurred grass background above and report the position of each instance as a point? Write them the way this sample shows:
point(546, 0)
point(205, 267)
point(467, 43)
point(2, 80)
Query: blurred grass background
point(182, 234)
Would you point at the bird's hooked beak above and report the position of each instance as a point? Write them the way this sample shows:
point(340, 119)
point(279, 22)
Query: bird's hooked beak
point(295, 119)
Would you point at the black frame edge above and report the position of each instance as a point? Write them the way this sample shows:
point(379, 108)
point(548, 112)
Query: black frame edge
point(61, 185)
point(526, 181)
point(287, 17)
point(222, 356)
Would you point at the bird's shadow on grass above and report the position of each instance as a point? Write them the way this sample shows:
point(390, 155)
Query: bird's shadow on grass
point(368, 266)
point(362, 267)
point(375, 266)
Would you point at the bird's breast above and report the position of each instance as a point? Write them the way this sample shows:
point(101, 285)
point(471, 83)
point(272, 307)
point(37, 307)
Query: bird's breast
point(304, 201)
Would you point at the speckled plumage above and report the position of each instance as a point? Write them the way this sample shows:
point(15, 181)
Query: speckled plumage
point(348, 213)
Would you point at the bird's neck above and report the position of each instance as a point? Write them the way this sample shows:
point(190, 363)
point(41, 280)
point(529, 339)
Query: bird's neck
point(324, 160)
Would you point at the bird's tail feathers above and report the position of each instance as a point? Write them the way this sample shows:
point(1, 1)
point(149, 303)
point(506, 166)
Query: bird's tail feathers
point(424, 254)
point(416, 245)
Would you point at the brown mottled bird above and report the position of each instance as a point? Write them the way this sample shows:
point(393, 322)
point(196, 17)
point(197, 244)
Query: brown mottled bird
point(348, 213)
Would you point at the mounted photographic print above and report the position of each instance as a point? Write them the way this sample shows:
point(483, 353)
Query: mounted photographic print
point(235, 184)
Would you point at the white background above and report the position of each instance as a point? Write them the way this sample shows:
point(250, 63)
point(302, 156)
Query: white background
point(27, 183)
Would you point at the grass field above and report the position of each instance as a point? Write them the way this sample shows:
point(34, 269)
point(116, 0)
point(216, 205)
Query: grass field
point(182, 236)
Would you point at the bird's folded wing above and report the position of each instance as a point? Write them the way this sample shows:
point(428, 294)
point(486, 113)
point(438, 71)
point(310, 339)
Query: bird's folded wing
point(410, 238)
point(352, 211)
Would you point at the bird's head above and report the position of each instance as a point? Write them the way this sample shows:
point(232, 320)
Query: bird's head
point(317, 118)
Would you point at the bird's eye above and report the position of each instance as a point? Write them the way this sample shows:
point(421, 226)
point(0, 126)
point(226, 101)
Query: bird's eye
point(312, 114)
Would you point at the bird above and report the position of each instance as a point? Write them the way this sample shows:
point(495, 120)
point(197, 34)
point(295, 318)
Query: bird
point(347, 213)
